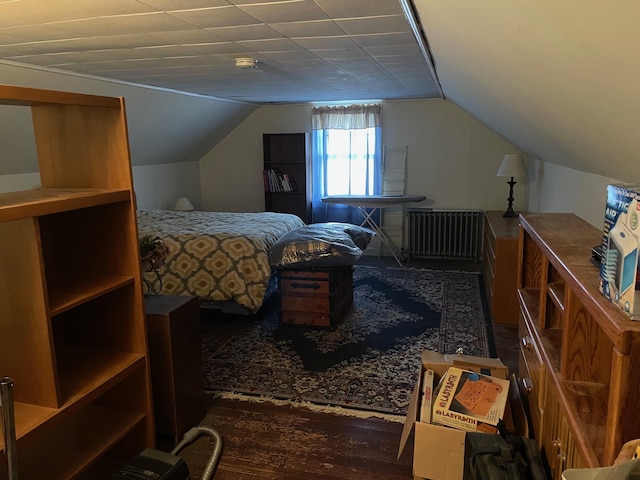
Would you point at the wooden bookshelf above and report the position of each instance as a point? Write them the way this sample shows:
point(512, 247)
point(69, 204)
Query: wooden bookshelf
point(72, 326)
point(288, 154)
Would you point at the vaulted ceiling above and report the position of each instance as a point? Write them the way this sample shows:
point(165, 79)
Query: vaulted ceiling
point(304, 50)
point(557, 79)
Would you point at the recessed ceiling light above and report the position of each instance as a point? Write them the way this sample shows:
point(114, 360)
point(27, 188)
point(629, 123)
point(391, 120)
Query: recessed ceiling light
point(246, 62)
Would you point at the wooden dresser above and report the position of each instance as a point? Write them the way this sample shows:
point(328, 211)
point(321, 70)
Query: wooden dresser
point(500, 266)
point(579, 354)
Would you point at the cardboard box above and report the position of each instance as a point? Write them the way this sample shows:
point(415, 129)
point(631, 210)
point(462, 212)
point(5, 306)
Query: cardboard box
point(438, 452)
point(619, 279)
point(470, 401)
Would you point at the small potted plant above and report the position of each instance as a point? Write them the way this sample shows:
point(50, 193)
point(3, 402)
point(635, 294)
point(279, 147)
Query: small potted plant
point(153, 254)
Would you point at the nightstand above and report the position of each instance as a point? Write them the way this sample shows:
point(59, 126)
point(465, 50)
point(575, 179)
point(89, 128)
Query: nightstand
point(175, 354)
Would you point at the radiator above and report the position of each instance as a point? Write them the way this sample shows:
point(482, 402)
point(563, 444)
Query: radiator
point(446, 234)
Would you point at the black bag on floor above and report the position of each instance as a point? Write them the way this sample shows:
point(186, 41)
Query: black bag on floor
point(501, 456)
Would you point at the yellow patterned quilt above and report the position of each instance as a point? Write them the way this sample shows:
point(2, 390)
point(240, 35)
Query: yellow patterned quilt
point(218, 256)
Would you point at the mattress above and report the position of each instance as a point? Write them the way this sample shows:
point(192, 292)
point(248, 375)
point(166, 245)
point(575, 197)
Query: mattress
point(216, 256)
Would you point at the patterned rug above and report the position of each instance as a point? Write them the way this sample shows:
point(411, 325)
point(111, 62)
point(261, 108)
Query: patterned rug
point(370, 361)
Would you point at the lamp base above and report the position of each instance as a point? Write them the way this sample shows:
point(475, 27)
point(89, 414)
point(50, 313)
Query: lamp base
point(510, 212)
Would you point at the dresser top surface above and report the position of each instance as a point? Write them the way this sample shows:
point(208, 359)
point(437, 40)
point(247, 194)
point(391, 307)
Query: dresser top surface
point(502, 227)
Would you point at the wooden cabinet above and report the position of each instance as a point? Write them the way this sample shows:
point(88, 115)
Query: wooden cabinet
point(500, 266)
point(175, 352)
point(579, 354)
point(72, 329)
point(287, 174)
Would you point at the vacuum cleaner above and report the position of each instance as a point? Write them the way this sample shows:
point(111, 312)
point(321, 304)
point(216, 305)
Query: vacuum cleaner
point(152, 464)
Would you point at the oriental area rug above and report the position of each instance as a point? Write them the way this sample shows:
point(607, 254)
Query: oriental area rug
point(370, 361)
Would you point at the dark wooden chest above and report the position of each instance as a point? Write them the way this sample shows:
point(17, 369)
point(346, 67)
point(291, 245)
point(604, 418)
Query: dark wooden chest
point(318, 297)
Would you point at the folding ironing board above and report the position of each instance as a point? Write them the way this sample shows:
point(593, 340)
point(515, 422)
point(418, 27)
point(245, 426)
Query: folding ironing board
point(367, 205)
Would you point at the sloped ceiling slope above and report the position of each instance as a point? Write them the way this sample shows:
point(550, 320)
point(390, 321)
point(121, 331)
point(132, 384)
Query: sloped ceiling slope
point(164, 126)
point(560, 80)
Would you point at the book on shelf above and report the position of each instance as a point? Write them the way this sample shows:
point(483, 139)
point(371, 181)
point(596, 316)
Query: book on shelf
point(292, 182)
point(278, 181)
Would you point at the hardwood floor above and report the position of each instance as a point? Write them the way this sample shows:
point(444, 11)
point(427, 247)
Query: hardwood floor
point(266, 441)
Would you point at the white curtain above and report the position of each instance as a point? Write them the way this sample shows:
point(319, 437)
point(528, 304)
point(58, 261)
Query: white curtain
point(365, 119)
point(346, 117)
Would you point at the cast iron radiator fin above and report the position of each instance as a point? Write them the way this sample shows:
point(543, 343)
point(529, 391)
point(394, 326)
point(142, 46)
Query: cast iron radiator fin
point(445, 234)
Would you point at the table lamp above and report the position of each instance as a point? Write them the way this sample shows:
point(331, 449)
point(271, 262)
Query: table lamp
point(512, 166)
point(184, 204)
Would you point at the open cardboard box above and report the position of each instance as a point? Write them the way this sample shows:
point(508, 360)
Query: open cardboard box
point(438, 452)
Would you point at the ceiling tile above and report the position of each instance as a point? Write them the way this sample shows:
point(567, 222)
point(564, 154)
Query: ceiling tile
point(216, 17)
point(312, 28)
point(31, 12)
point(280, 12)
point(356, 8)
point(270, 45)
point(368, 25)
point(326, 43)
point(378, 39)
point(170, 5)
point(245, 32)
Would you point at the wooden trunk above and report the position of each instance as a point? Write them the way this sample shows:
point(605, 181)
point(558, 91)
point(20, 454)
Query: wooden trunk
point(318, 297)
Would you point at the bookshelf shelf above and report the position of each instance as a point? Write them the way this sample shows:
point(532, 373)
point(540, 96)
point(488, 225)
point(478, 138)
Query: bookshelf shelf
point(287, 183)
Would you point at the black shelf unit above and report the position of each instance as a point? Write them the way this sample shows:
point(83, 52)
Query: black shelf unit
point(287, 155)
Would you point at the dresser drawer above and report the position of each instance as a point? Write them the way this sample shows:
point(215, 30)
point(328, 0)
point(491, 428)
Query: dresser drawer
point(531, 373)
point(530, 392)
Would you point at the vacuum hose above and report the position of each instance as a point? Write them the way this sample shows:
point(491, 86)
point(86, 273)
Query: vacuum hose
point(191, 436)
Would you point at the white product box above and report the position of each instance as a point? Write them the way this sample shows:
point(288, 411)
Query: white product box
point(621, 248)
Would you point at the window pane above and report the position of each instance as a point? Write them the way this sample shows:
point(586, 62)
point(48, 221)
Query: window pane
point(350, 161)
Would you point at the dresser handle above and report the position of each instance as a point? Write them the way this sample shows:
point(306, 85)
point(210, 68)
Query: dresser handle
point(527, 343)
point(527, 386)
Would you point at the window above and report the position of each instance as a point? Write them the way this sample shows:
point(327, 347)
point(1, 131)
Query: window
point(346, 158)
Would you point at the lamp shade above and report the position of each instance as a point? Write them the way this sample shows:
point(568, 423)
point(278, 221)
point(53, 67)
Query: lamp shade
point(183, 203)
point(512, 166)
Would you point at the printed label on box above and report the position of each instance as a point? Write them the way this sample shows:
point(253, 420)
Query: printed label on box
point(619, 279)
point(427, 396)
point(470, 401)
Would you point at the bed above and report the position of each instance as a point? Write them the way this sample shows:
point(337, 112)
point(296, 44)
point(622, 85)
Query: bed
point(221, 257)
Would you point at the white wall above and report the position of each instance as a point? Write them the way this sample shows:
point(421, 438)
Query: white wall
point(453, 159)
point(560, 189)
point(18, 182)
point(159, 186)
point(231, 173)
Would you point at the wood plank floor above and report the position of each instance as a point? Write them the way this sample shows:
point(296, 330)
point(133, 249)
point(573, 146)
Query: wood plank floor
point(266, 441)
